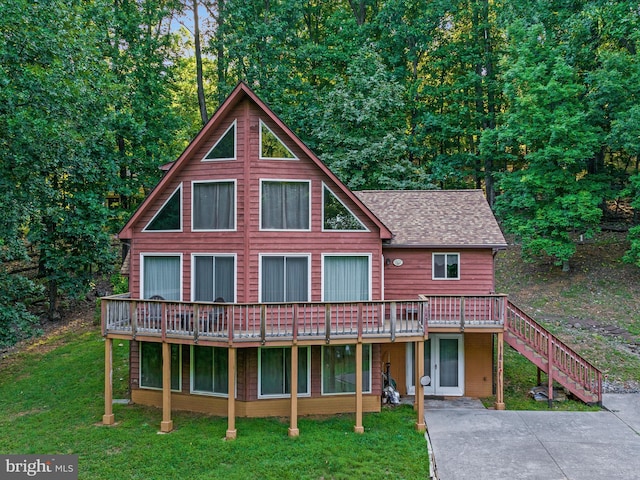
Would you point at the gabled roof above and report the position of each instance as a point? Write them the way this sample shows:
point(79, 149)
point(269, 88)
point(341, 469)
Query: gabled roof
point(436, 218)
point(239, 93)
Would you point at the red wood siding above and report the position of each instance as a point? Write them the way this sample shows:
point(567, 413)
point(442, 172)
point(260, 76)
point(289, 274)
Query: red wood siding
point(414, 276)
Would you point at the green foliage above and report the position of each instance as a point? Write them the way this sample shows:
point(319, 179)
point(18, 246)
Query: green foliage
point(16, 322)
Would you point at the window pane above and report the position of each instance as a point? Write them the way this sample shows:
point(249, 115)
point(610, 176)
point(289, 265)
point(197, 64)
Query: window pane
point(273, 279)
point(271, 146)
point(296, 279)
point(272, 371)
point(225, 148)
point(285, 205)
point(339, 369)
point(220, 370)
point(224, 279)
point(337, 216)
point(346, 278)
point(161, 277)
point(213, 206)
point(448, 362)
point(151, 365)
point(438, 266)
point(168, 218)
point(203, 369)
point(204, 279)
point(452, 266)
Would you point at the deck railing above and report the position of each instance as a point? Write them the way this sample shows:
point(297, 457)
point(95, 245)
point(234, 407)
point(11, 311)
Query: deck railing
point(264, 322)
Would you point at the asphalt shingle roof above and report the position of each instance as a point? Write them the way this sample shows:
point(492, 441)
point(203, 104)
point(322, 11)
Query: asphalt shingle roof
point(435, 218)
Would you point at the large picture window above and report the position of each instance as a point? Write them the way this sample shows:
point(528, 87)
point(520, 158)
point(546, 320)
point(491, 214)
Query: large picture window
point(339, 369)
point(346, 278)
point(285, 205)
point(209, 370)
point(446, 266)
point(274, 367)
point(151, 365)
point(214, 278)
point(214, 205)
point(161, 276)
point(285, 279)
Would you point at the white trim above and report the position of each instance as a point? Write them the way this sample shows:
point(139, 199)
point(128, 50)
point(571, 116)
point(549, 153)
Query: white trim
point(348, 254)
point(294, 157)
point(365, 229)
point(284, 254)
point(284, 395)
point(433, 266)
point(160, 254)
point(235, 272)
point(235, 205)
point(235, 144)
point(322, 392)
point(282, 180)
point(179, 187)
point(140, 386)
point(192, 372)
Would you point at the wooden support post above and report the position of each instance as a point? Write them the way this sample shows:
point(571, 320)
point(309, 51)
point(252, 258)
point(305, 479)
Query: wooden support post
point(419, 388)
point(550, 371)
point(499, 405)
point(108, 418)
point(231, 399)
point(293, 420)
point(167, 424)
point(359, 428)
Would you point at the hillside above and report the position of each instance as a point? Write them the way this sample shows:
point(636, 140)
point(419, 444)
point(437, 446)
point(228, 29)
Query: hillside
point(595, 308)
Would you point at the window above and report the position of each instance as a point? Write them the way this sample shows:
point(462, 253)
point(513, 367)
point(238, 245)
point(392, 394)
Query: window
point(209, 370)
point(346, 278)
point(285, 205)
point(446, 266)
point(151, 366)
point(161, 276)
point(225, 147)
point(339, 369)
point(336, 216)
point(271, 147)
point(285, 279)
point(213, 278)
point(274, 367)
point(169, 217)
point(214, 205)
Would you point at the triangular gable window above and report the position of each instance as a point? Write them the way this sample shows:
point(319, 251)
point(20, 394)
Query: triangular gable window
point(169, 216)
point(271, 147)
point(336, 215)
point(225, 147)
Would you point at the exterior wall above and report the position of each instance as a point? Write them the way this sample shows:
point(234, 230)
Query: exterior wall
point(478, 364)
point(247, 242)
point(414, 276)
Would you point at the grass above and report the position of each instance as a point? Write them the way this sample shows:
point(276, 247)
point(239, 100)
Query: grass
point(51, 399)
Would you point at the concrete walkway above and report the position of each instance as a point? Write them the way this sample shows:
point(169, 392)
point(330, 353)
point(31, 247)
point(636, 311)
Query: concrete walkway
point(470, 442)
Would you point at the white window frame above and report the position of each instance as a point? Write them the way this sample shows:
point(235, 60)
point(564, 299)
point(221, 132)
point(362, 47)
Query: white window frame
point(178, 188)
point(284, 180)
point(347, 254)
point(235, 272)
point(235, 205)
point(284, 395)
point(364, 227)
point(233, 125)
point(433, 266)
point(192, 373)
point(160, 254)
point(294, 156)
point(286, 255)
point(140, 354)
point(322, 392)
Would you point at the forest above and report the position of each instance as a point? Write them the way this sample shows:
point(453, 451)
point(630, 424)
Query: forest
point(535, 102)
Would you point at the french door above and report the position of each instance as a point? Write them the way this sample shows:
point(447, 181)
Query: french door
point(443, 363)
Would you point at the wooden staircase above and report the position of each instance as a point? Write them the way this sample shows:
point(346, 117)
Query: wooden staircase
point(544, 349)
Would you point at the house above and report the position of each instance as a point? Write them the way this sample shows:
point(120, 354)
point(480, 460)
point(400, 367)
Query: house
point(251, 264)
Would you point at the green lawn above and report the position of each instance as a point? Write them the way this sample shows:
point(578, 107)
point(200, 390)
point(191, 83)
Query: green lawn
point(51, 401)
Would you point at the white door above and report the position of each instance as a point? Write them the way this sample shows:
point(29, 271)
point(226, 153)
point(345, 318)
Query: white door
point(443, 362)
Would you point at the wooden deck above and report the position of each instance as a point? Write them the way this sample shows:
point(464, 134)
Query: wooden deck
point(246, 325)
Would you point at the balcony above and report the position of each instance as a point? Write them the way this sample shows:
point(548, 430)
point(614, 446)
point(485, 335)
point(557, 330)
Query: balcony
point(250, 324)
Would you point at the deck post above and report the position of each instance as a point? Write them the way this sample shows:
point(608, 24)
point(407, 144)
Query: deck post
point(419, 388)
point(231, 399)
point(108, 418)
point(293, 420)
point(499, 405)
point(550, 371)
point(359, 428)
point(167, 424)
